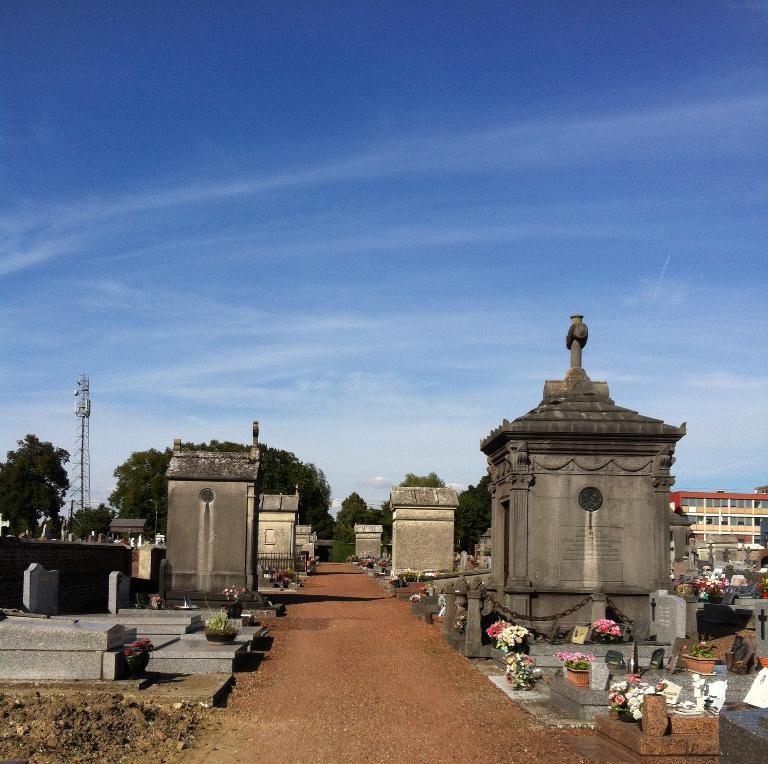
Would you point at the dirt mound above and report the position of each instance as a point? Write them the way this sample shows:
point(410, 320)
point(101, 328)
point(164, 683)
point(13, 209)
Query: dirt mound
point(95, 727)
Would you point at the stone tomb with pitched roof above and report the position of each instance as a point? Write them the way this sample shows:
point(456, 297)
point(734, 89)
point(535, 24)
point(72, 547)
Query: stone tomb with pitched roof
point(277, 523)
point(580, 498)
point(211, 518)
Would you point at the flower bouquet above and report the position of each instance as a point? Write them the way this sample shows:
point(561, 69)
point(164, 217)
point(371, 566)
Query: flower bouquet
point(137, 656)
point(762, 587)
point(607, 631)
point(626, 698)
point(507, 635)
point(521, 672)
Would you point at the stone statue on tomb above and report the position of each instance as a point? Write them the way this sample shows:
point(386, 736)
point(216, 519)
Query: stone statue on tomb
point(576, 340)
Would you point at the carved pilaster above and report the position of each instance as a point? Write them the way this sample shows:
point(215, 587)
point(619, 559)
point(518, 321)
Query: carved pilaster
point(662, 482)
point(520, 485)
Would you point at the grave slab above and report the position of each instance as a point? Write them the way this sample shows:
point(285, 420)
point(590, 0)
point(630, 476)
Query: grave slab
point(743, 735)
point(192, 656)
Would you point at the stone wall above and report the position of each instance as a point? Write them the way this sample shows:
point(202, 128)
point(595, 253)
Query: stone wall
point(83, 571)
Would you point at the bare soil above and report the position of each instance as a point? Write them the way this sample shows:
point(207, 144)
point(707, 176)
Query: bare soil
point(49, 728)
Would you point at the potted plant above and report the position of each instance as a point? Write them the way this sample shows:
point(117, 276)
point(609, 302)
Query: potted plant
point(235, 595)
point(218, 628)
point(156, 602)
point(508, 635)
point(701, 658)
point(576, 667)
point(606, 631)
point(137, 657)
point(762, 587)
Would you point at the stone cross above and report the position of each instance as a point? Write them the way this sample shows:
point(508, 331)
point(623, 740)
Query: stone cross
point(576, 339)
point(4, 524)
point(762, 618)
point(653, 609)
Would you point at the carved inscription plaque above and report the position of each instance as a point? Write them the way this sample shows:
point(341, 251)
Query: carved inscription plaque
point(590, 554)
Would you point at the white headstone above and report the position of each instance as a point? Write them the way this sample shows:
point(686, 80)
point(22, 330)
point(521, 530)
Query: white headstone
point(3, 525)
point(119, 591)
point(41, 590)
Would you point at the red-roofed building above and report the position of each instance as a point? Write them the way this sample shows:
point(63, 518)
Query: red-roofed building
point(718, 512)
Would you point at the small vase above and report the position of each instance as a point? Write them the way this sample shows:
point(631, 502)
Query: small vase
point(578, 677)
point(623, 715)
point(136, 665)
point(700, 665)
point(764, 596)
point(234, 609)
point(763, 662)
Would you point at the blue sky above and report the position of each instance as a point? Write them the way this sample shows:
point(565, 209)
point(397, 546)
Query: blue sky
point(367, 225)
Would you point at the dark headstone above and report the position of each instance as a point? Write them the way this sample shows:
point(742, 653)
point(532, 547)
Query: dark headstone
point(657, 659)
point(615, 660)
point(743, 736)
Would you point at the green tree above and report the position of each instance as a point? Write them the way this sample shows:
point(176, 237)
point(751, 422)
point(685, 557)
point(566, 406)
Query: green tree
point(142, 487)
point(141, 482)
point(354, 510)
point(33, 484)
point(422, 481)
point(89, 519)
point(473, 515)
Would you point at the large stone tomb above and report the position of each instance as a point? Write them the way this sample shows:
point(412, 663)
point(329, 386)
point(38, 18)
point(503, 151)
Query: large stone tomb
point(33, 648)
point(422, 528)
point(368, 540)
point(211, 516)
point(580, 498)
point(277, 523)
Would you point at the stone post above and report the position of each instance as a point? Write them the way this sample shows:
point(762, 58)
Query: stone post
point(473, 635)
point(597, 606)
point(450, 611)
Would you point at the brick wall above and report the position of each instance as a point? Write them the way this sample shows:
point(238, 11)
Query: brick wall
point(83, 571)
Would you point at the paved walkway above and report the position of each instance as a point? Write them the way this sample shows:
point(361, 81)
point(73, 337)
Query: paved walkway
point(354, 677)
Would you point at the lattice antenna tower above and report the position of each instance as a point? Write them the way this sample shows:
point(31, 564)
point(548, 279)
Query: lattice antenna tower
point(81, 488)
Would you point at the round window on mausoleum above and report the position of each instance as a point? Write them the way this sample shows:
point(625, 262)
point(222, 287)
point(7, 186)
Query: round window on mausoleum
point(590, 499)
point(207, 495)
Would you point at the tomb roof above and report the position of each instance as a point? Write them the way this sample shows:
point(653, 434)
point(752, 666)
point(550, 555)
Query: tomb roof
point(213, 465)
point(401, 496)
point(279, 502)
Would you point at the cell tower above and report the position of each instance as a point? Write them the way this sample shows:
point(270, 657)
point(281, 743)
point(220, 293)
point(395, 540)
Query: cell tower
point(81, 467)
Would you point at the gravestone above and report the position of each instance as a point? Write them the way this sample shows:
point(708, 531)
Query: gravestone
point(576, 484)
point(668, 616)
point(4, 525)
point(743, 735)
point(599, 674)
point(119, 591)
point(45, 534)
point(41, 590)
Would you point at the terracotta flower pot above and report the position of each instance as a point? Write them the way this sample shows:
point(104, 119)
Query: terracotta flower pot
point(764, 596)
point(763, 662)
point(578, 677)
point(700, 665)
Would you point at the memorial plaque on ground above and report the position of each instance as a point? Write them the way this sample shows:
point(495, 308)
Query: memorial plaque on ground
point(579, 635)
point(590, 554)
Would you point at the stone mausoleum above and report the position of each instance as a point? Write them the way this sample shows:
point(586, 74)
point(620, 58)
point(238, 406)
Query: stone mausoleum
point(211, 518)
point(277, 521)
point(580, 498)
point(368, 540)
point(422, 528)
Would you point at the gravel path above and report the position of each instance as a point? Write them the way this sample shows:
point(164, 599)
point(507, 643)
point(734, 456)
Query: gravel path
point(354, 677)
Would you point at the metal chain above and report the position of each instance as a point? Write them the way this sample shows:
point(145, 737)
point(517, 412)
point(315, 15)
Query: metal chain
point(622, 616)
point(556, 617)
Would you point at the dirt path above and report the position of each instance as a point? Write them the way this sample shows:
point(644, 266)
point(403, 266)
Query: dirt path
point(354, 677)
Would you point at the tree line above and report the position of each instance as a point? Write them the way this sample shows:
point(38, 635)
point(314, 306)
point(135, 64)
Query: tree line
point(34, 486)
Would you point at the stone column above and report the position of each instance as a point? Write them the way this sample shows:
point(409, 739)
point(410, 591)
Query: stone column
point(597, 606)
point(518, 529)
point(661, 485)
